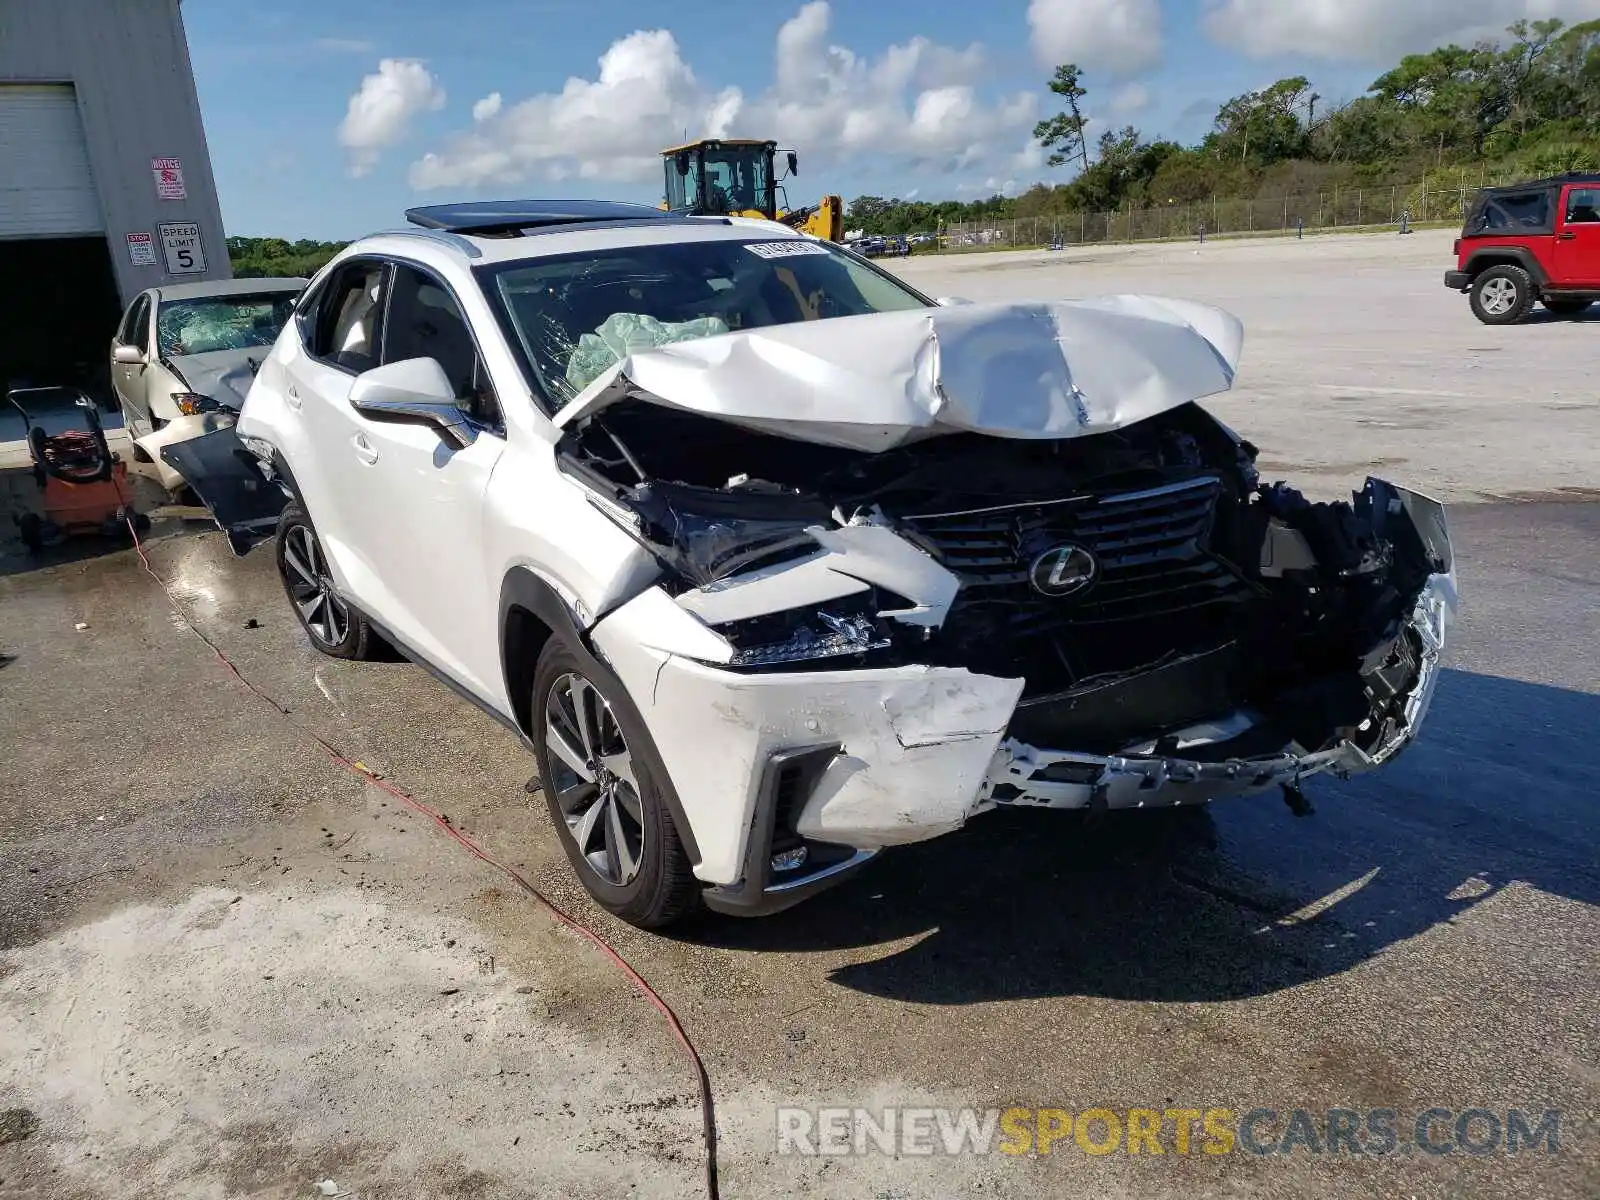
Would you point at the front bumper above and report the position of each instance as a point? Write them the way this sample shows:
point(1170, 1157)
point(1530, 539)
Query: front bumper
point(844, 763)
point(1027, 775)
point(1457, 281)
point(179, 429)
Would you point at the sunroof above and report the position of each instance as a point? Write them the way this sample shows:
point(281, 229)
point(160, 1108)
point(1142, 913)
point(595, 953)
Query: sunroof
point(517, 216)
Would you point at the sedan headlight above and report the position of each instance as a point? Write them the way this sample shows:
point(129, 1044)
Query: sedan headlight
point(191, 403)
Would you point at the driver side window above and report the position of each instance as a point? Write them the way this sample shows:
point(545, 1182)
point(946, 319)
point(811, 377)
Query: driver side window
point(135, 329)
point(345, 332)
point(1583, 206)
point(424, 321)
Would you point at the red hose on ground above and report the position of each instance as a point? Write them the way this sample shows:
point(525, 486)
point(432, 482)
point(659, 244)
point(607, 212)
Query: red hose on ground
point(707, 1109)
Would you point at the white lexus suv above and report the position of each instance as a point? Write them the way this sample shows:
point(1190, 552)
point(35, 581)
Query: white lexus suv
point(774, 563)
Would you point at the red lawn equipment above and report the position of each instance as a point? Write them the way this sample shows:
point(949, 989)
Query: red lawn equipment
point(83, 486)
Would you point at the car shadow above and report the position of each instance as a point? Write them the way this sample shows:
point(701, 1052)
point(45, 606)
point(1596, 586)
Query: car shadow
point(1237, 900)
point(1543, 316)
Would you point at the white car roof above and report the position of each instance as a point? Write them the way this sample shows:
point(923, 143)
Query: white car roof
point(472, 251)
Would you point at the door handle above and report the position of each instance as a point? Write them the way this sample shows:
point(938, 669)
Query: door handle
point(365, 450)
point(1566, 237)
point(292, 398)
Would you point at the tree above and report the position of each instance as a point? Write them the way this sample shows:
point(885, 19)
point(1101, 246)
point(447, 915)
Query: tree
point(1265, 124)
point(1062, 134)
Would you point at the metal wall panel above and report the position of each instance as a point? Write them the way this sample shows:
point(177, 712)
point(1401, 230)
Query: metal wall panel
point(128, 61)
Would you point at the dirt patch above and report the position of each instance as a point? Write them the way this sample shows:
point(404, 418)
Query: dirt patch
point(246, 1043)
point(16, 1125)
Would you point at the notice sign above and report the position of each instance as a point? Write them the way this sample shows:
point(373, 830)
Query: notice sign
point(141, 250)
point(169, 178)
point(180, 242)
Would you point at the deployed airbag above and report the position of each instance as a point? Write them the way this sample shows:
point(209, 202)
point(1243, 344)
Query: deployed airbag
point(621, 334)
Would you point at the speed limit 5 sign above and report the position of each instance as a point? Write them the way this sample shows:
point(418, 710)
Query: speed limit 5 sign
point(180, 242)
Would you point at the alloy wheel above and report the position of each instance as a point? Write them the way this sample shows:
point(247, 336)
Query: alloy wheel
point(593, 780)
point(1499, 297)
point(311, 588)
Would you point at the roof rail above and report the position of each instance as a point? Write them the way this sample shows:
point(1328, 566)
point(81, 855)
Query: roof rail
point(513, 218)
point(438, 235)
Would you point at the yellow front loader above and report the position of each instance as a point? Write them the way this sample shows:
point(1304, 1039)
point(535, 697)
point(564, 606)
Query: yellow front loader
point(735, 177)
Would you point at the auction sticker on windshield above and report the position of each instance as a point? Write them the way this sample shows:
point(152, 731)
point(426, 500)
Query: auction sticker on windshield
point(785, 249)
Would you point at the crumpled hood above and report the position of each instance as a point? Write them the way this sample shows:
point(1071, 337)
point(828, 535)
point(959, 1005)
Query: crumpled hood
point(224, 375)
point(1055, 369)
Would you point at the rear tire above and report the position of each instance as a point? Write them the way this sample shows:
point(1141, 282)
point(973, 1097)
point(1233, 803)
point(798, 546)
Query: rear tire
point(334, 626)
point(1566, 308)
point(1501, 295)
point(606, 802)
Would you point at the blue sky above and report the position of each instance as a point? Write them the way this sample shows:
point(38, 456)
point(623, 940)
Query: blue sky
point(326, 120)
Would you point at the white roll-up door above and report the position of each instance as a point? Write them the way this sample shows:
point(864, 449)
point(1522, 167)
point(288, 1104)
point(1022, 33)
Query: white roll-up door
point(46, 187)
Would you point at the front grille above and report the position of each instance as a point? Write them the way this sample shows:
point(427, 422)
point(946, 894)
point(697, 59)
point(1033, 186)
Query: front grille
point(1152, 547)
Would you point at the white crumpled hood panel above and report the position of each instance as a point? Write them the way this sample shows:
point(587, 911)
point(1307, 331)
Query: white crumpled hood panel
point(1054, 369)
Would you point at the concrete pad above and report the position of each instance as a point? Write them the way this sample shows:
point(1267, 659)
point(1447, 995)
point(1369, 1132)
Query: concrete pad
point(1357, 358)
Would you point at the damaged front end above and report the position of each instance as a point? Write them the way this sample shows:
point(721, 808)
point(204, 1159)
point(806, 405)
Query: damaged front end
point(1116, 616)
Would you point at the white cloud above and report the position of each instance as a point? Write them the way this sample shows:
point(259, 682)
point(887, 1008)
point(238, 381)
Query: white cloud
point(488, 107)
point(1129, 100)
point(381, 109)
point(610, 127)
point(915, 103)
point(1376, 31)
point(1112, 37)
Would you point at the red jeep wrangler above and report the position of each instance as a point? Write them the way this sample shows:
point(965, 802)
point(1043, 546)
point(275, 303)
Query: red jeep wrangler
point(1534, 241)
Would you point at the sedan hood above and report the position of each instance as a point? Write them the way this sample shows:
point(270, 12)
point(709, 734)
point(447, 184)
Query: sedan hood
point(224, 375)
point(1059, 369)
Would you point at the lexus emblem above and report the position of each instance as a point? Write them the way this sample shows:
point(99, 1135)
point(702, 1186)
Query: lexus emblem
point(1063, 571)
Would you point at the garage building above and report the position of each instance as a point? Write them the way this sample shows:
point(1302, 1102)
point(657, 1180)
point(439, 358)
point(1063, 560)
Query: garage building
point(105, 180)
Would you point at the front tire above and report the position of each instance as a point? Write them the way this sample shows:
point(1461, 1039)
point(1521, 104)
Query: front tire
point(334, 627)
point(1566, 308)
point(1501, 295)
point(605, 800)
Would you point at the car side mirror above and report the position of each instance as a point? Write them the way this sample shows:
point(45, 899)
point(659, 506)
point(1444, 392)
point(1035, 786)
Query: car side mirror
point(414, 391)
point(950, 301)
point(128, 356)
point(682, 163)
point(794, 163)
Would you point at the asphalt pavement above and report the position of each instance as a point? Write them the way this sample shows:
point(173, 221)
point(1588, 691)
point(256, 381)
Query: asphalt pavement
point(1428, 937)
point(229, 967)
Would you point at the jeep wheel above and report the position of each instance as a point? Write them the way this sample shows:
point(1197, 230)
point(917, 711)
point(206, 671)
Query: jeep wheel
point(1501, 295)
point(606, 804)
point(1566, 308)
point(334, 627)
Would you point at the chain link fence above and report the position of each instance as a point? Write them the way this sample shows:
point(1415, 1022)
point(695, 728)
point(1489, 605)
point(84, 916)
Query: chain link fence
point(1341, 208)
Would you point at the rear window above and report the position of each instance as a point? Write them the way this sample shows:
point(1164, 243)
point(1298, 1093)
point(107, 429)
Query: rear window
point(1511, 212)
point(575, 315)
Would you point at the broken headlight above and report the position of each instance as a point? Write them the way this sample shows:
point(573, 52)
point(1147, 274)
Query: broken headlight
point(839, 629)
point(709, 535)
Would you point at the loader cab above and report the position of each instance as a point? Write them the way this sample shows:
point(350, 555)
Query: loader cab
point(724, 178)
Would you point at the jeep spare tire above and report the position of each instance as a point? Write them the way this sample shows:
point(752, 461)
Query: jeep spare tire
point(1501, 295)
